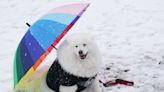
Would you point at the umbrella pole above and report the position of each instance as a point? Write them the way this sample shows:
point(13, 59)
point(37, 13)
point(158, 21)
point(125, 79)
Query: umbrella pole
point(54, 47)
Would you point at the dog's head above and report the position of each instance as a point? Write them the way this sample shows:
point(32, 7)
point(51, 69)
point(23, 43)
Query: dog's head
point(78, 53)
point(81, 46)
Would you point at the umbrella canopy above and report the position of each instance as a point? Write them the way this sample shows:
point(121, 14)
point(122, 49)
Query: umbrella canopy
point(41, 37)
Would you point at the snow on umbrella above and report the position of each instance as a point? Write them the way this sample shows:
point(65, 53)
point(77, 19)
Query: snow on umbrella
point(41, 37)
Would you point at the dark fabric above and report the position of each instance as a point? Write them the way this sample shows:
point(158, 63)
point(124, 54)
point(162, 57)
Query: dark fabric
point(56, 76)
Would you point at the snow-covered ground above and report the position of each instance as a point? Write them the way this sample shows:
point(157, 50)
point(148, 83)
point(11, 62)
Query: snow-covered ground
point(130, 34)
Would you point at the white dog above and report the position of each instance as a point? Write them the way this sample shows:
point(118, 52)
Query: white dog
point(74, 70)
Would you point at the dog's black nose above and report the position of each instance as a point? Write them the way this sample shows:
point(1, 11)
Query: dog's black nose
point(80, 52)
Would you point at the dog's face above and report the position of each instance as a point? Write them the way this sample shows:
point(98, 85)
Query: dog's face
point(81, 47)
point(81, 50)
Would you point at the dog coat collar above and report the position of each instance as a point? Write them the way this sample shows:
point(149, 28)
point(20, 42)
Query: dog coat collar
point(88, 82)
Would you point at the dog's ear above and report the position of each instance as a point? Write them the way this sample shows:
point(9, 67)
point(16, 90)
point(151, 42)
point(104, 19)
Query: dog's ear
point(64, 44)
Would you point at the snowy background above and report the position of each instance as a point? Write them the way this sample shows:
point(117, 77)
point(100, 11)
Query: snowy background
point(130, 34)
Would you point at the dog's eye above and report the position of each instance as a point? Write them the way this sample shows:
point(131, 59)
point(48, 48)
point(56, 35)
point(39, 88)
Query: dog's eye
point(84, 44)
point(76, 46)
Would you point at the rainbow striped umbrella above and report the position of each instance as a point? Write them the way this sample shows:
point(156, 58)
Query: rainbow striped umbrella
point(41, 37)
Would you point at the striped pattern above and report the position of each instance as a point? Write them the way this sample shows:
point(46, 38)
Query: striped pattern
point(41, 37)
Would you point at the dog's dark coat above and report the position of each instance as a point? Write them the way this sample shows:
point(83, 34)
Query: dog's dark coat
point(57, 76)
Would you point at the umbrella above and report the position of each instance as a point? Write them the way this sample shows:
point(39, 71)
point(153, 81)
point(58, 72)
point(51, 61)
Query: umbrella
point(42, 37)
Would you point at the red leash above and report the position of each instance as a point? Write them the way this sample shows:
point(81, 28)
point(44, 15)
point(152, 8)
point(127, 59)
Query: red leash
point(117, 81)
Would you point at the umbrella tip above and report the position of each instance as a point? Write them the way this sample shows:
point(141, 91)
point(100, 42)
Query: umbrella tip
point(28, 24)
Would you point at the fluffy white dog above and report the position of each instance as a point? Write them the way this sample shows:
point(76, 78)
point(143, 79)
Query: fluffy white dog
point(74, 70)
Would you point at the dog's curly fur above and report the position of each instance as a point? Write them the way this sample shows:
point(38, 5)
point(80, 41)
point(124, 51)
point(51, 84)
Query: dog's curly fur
point(69, 58)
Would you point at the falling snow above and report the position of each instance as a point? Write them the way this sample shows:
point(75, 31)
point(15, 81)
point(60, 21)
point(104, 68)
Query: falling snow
point(130, 35)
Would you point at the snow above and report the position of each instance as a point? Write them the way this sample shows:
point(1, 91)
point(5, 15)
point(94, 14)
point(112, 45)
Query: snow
point(129, 34)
